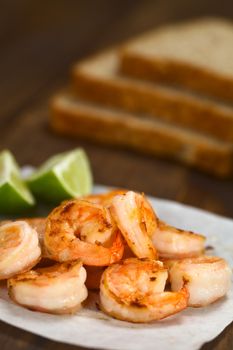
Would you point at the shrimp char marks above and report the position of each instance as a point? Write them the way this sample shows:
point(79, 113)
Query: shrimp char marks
point(58, 289)
point(78, 229)
point(133, 290)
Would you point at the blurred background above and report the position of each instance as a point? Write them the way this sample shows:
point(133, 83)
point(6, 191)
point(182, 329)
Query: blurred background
point(39, 40)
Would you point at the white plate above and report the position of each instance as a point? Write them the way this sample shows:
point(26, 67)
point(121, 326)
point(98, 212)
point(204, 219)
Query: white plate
point(187, 330)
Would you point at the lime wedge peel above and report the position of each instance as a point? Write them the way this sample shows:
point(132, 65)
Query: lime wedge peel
point(15, 197)
point(66, 175)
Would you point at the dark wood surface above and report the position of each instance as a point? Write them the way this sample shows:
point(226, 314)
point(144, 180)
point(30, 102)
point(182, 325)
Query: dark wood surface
point(39, 40)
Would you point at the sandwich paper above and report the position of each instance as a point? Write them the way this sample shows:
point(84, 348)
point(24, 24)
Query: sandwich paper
point(91, 328)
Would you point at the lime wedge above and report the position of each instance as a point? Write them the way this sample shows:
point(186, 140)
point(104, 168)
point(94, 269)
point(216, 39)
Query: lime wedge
point(66, 175)
point(15, 197)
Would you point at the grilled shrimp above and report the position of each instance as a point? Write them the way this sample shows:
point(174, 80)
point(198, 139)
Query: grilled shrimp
point(137, 222)
point(104, 199)
point(19, 248)
point(134, 291)
point(173, 243)
point(59, 289)
point(39, 225)
point(208, 278)
point(80, 229)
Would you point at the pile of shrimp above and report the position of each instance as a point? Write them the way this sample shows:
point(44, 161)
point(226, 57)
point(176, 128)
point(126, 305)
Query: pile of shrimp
point(144, 269)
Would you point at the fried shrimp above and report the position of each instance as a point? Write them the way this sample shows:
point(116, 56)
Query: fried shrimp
point(134, 291)
point(208, 278)
point(59, 289)
point(173, 243)
point(19, 248)
point(80, 229)
point(137, 222)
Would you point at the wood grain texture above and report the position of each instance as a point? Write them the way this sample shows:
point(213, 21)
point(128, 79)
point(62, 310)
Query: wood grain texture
point(38, 42)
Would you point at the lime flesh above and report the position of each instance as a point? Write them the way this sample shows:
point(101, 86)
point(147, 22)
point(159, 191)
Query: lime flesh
point(66, 175)
point(15, 197)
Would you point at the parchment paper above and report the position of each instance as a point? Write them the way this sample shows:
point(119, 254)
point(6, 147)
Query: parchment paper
point(187, 330)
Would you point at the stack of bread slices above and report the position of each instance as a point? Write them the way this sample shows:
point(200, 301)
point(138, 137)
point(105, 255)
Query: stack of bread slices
point(167, 93)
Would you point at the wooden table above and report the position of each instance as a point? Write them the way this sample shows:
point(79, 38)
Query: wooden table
point(38, 42)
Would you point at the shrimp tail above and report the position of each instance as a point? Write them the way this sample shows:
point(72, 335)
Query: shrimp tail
point(170, 303)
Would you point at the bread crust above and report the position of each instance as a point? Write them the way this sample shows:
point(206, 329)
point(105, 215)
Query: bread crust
point(151, 100)
point(80, 120)
point(175, 73)
point(196, 55)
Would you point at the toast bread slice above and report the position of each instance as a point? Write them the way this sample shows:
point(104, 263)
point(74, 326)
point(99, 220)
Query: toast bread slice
point(97, 80)
point(73, 117)
point(197, 55)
